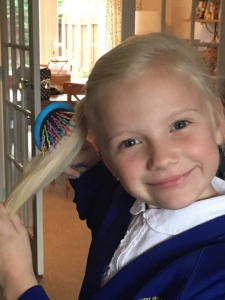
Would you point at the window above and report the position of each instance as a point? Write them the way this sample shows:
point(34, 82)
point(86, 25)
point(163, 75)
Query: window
point(82, 33)
point(80, 30)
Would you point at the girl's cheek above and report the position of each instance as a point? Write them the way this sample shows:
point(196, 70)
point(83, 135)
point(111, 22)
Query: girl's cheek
point(128, 168)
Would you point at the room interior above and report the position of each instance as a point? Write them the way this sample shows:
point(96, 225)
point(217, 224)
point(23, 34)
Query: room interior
point(65, 258)
point(147, 19)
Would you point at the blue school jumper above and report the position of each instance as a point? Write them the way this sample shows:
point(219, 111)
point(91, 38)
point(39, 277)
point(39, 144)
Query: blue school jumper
point(190, 265)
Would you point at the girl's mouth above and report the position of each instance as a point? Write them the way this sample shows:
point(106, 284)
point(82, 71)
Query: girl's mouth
point(171, 181)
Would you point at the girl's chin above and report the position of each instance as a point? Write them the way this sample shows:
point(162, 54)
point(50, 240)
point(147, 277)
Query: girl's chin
point(171, 205)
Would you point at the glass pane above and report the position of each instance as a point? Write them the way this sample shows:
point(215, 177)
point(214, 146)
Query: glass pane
point(22, 137)
point(8, 22)
point(18, 142)
point(26, 23)
point(10, 60)
point(17, 58)
point(27, 58)
point(10, 131)
point(29, 136)
point(11, 79)
point(18, 76)
point(17, 24)
point(28, 90)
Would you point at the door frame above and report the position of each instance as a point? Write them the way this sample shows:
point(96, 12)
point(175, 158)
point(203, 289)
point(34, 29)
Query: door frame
point(33, 5)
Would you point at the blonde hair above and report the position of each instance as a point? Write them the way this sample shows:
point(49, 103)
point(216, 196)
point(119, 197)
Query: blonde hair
point(41, 170)
point(130, 59)
point(143, 53)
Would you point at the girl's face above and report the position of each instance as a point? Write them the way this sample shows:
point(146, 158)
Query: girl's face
point(156, 135)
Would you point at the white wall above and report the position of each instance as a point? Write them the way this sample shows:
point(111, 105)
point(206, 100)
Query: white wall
point(178, 18)
point(151, 5)
point(49, 34)
point(180, 22)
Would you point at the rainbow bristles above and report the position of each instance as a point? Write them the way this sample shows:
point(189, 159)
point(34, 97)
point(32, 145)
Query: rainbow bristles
point(56, 127)
point(52, 125)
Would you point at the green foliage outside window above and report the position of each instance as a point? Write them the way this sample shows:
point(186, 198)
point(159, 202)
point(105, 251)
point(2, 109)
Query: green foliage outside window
point(16, 10)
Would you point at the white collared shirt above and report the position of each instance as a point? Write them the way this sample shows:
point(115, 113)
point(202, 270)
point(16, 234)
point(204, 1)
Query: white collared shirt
point(149, 227)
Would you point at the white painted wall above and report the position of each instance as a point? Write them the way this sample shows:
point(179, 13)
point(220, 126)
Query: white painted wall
point(151, 5)
point(48, 34)
point(180, 24)
point(178, 18)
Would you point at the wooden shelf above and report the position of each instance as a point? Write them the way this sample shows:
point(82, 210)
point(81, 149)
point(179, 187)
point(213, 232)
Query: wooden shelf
point(205, 44)
point(217, 68)
point(207, 21)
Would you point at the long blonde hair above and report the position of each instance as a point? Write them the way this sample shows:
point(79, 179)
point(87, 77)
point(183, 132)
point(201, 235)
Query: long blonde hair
point(42, 170)
point(130, 59)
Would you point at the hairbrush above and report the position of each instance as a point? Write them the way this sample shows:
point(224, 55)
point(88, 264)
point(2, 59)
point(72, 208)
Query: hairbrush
point(52, 125)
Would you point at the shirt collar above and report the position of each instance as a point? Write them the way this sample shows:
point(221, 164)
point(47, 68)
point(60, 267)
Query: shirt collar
point(138, 207)
point(176, 221)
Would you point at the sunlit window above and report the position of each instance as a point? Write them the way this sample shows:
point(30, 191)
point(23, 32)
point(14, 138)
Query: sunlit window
point(82, 33)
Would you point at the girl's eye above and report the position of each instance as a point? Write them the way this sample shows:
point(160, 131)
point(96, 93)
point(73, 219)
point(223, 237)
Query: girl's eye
point(129, 143)
point(180, 124)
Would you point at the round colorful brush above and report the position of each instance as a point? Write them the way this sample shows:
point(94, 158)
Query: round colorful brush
point(52, 125)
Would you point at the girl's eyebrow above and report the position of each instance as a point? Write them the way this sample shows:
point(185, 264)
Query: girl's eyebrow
point(185, 111)
point(121, 133)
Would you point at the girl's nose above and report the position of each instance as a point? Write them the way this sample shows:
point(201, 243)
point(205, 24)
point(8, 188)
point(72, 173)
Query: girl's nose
point(162, 156)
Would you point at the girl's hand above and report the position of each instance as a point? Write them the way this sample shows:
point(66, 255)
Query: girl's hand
point(86, 159)
point(16, 271)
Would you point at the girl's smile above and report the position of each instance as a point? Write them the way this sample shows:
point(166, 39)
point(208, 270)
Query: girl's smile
point(172, 181)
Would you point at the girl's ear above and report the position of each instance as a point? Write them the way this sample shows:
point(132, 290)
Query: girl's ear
point(219, 121)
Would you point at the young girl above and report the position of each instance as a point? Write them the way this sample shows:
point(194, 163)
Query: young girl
point(158, 221)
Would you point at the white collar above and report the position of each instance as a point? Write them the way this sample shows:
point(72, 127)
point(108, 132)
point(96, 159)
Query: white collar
point(176, 221)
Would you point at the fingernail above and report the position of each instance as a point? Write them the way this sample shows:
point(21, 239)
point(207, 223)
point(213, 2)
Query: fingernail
point(75, 166)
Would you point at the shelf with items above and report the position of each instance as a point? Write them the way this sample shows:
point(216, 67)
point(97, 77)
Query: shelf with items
point(206, 35)
point(207, 12)
point(207, 21)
